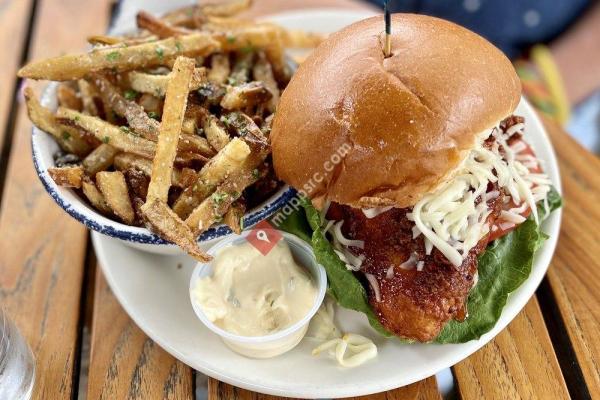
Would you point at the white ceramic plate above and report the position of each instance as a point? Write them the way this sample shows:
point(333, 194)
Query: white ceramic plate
point(154, 291)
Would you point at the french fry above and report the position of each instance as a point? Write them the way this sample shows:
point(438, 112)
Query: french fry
point(299, 39)
point(208, 151)
point(122, 138)
point(263, 72)
point(87, 93)
point(113, 187)
point(136, 117)
point(219, 68)
point(157, 84)
point(67, 97)
point(104, 40)
point(158, 27)
point(233, 217)
point(211, 94)
point(242, 68)
point(227, 161)
point(68, 140)
point(259, 36)
point(76, 66)
point(215, 132)
point(94, 196)
point(100, 159)
point(170, 128)
point(137, 182)
point(187, 177)
point(224, 24)
point(189, 126)
point(246, 95)
point(213, 208)
point(69, 176)
point(227, 8)
point(188, 17)
point(125, 161)
point(245, 127)
point(151, 104)
point(165, 223)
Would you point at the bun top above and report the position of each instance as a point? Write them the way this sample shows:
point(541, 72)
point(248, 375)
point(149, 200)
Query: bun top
point(360, 129)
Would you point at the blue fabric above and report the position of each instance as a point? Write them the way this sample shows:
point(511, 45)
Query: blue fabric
point(584, 125)
point(512, 25)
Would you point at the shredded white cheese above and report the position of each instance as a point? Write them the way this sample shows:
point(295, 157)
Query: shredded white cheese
point(375, 285)
point(350, 351)
point(341, 246)
point(411, 262)
point(375, 211)
point(454, 218)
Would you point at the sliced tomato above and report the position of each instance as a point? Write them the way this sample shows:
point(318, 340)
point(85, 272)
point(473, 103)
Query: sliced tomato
point(497, 231)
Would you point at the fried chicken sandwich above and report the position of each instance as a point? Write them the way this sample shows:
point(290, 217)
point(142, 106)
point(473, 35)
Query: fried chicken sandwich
point(418, 166)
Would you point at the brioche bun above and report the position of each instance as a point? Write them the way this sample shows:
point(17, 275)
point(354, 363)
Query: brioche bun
point(399, 125)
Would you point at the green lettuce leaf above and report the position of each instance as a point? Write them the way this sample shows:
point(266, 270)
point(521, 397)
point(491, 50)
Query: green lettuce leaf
point(503, 267)
point(344, 287)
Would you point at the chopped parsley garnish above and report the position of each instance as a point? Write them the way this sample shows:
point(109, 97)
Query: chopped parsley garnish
point(218, 198)
point(232, 81)
point(125, 129)
point(178, 46)
point(247, 49)
point(255, 173)
point(153, 114)
point(159, 52)
point(105, 139)
point(66, 135)
point(130, 94)
point(230, 39)
point(113, 56)
point(76, 118)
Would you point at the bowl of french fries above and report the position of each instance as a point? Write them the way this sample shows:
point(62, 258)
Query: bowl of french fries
point(160, 138)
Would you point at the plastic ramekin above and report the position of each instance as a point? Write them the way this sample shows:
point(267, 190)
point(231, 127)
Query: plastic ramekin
point(277, 343)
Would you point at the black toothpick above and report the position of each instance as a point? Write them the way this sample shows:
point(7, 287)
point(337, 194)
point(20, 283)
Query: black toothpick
point(388, 29)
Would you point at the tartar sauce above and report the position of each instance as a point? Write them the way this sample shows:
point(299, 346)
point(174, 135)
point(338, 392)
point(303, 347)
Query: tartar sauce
point(254, 295)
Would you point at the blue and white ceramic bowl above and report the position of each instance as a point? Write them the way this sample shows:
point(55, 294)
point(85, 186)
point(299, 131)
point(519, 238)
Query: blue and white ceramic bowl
point(43, 147)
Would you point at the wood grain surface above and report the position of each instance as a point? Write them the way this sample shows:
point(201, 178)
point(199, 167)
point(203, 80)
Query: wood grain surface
point(519, 363)
point(574, 275)
point(42, 249)
point(124, 362)
point(14, 18)
point(424, 390)
point(550, 351)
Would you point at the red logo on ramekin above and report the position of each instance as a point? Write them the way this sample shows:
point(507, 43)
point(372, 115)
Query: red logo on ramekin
point(263, 237)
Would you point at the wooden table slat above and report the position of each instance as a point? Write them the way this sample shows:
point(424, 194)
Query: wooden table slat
point(426, 389)
point(124, 362)
point(42, 265)
point(14, 20)
point(42, 250)
point(519, 363)
point(574, 274)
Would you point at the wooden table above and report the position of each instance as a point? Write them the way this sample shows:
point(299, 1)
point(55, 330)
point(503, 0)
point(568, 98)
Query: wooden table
point(51, 286)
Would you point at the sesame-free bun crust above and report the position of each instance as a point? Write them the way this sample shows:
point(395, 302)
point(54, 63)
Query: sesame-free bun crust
point(401, 124)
